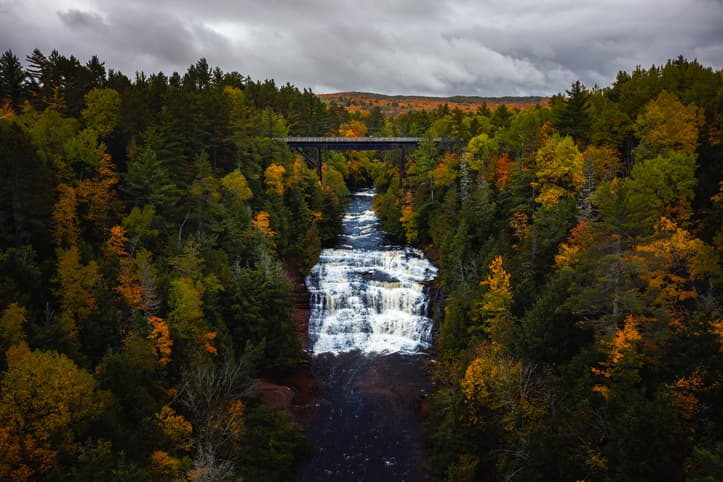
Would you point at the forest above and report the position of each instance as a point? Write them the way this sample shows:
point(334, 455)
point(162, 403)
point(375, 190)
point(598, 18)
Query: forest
point(153, 233)
point(579, 253)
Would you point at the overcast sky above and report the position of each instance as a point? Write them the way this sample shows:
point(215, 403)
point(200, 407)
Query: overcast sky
point(429, 47)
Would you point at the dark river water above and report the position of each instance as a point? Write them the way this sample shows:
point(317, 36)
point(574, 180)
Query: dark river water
point(368, 332)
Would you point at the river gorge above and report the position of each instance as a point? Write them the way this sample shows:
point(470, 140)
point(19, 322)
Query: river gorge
point(369, 330)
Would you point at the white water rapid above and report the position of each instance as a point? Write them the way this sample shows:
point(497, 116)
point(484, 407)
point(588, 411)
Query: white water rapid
point(366, 294)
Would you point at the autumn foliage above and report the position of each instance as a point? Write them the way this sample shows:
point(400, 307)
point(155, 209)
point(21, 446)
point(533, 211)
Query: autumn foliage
point(579, 253)
point(143, 224)
point(46, 401)
point(150, 227)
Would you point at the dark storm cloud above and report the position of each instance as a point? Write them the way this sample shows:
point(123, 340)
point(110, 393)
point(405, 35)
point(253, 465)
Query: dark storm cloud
point(490, 47)
point(74, 18)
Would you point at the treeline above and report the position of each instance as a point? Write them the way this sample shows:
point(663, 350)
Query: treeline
point(579, 246)
point(148, 231)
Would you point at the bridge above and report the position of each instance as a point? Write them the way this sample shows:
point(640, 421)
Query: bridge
point(356, 144)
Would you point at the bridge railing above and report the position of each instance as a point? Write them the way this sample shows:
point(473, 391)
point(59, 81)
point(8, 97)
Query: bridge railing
point(351, 139)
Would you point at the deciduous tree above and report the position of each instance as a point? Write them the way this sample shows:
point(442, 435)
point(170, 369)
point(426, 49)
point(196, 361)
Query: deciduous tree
point(46, 405)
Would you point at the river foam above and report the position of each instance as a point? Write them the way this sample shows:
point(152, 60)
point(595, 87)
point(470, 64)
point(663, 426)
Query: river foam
point(366, 294)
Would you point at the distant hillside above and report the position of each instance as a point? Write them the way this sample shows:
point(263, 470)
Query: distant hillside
point(391, 105)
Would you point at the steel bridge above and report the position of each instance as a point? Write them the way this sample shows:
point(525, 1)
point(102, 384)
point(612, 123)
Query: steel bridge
point(404, 144)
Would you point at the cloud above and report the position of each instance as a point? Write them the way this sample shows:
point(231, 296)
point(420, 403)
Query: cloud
point(495, 47)
point(77, 19)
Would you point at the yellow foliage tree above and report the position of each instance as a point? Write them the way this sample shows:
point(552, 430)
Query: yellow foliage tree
point(559, 170)
point(11, 326)
point(186, 319)
point(175, 427)
point(445, 173)
point(481, 149)
point(44, 399)
point(235, 183)
point(667, 126)
point(674, 263)
point(688, 391)
point(186, 300)
point(274, 178)
point(500, 390)
point(76, 285)
point(497, 303)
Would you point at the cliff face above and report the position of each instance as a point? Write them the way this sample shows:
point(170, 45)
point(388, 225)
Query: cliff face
point(302, 309)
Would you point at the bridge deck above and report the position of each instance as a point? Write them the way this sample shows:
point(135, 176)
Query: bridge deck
point(354, 143)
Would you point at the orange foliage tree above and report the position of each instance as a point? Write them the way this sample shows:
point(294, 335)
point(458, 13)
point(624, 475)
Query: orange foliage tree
point(572, 250)
point(129, 284)
point(261, 223)
point(66, 229)
point(620, 370)
point(353, 128)
point(160, 335)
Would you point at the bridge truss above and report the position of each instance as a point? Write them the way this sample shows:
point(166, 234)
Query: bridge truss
point(403, 144)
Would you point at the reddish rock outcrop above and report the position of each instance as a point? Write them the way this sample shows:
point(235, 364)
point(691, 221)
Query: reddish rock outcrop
point(276, 396)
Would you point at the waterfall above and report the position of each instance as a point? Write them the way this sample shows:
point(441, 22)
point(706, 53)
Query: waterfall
point(367, 294)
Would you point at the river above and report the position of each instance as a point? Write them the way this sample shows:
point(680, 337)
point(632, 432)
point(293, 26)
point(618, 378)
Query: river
point(368, 336)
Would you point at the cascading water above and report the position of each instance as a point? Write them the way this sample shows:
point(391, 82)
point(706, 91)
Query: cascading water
point(367, 326)
point(366, 294)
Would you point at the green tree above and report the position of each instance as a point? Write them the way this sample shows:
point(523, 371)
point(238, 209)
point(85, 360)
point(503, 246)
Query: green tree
point(147, 182)
point(571, 114)
point(25, 191)
point(12, 80)
point(187, 319)
point(663, 186)
point(258, 311)
point(102, 111)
